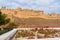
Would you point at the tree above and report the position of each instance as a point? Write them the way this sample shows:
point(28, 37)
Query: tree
point(3, 19)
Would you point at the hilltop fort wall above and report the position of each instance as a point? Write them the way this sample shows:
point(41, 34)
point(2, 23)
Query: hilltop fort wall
point(25, 13)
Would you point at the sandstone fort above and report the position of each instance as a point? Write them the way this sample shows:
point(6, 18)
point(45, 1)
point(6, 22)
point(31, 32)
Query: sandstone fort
point(21, 16)
point(26, 13)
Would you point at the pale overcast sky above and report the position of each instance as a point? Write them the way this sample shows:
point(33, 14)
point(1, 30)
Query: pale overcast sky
point(45, 5)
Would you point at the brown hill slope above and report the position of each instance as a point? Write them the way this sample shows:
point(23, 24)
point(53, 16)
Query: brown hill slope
point(37, 21)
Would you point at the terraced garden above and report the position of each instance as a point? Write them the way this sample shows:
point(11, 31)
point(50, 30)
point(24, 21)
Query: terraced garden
point(37, 33)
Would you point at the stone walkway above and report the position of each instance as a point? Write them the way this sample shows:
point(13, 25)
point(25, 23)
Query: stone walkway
point(8, 35)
